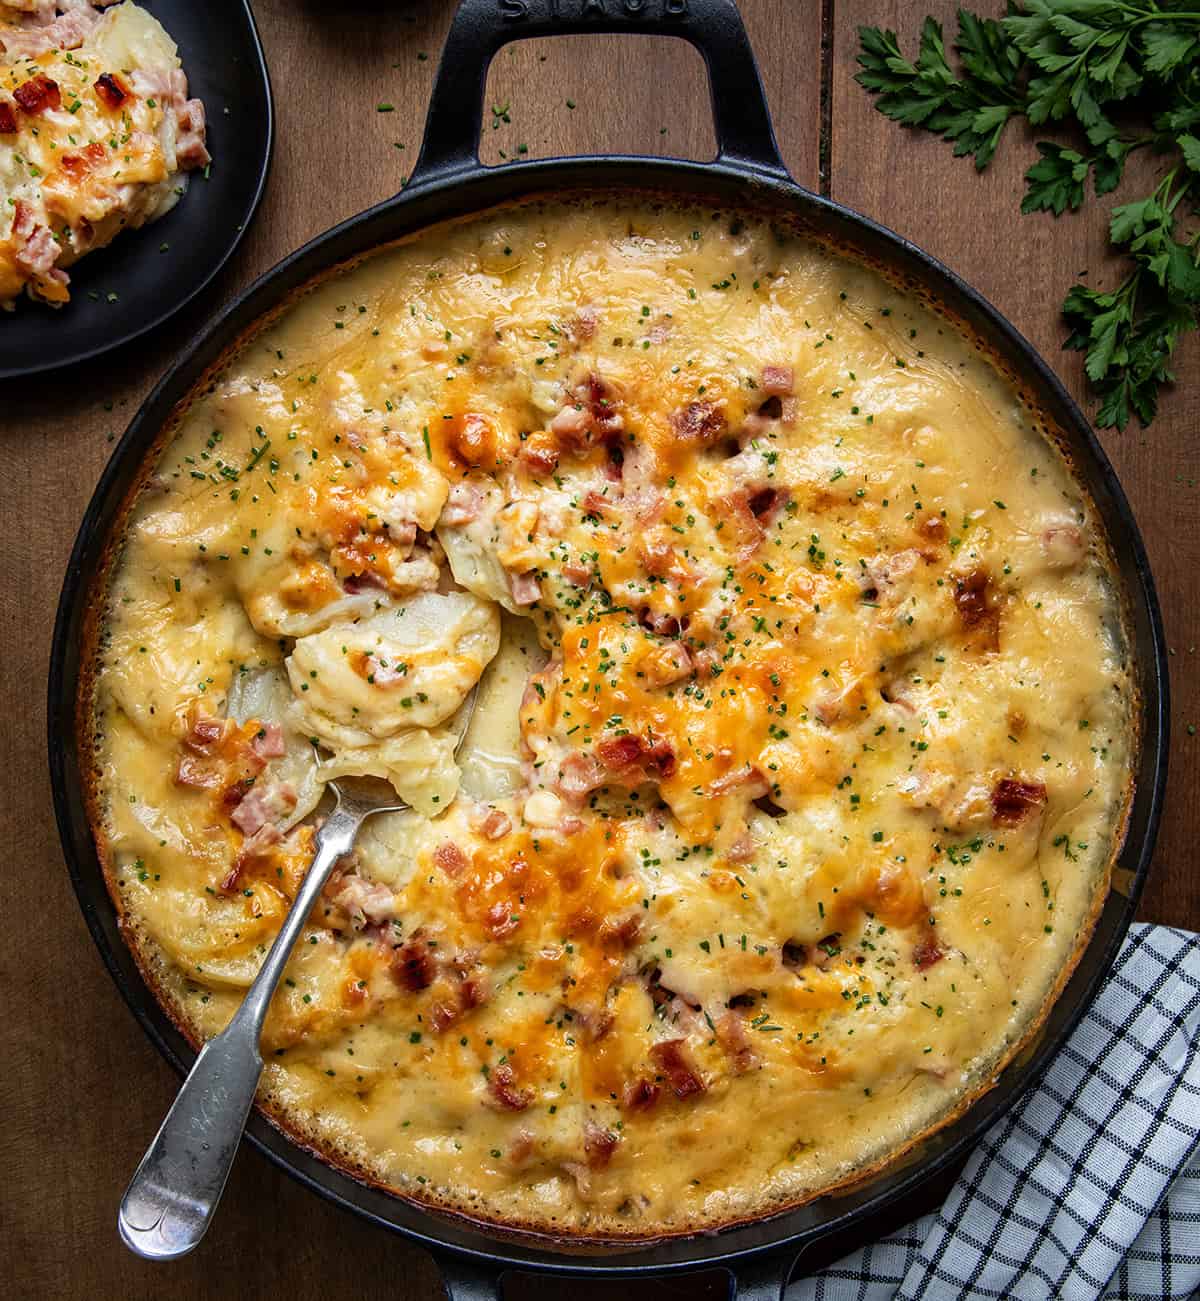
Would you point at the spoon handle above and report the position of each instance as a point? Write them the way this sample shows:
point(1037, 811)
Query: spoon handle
point(174, 1192)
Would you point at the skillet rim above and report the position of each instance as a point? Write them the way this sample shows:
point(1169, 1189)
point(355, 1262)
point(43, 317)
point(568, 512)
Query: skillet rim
point(451, 194)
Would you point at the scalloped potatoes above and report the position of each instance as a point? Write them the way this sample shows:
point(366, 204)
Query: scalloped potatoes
point(802, 744)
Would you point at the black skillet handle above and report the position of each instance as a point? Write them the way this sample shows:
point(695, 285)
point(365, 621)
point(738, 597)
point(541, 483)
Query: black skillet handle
point(745, 137)
point(759, 1278)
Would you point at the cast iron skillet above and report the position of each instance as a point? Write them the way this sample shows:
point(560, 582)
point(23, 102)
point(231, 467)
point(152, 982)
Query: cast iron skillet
point(221, 54)
point(447, 182)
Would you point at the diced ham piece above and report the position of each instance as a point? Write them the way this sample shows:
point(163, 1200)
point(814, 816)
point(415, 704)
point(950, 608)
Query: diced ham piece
point(355, 583)
point(8, 118)
point(621, 753)
point(253, 848)
point(732, 1036)
point(472, 991)
point(501, 921)
point(111, 90)
point(763, 501)
point(591, 416)
point(926, 953)
point(450, 858)
point(495, 824)
point(205, 732)
point(665, 625)
point(747, 779)
point(595, 1022)
point(525, 588)
point(620, 935)
point(707, 662)
point(539, 454)
point(402, 532)
point(79, 162)
point(750, 528)
point(443, 1015)
point(657, 556)
point(976, 612)
point(66, 32)
point(578, 774)
point(263, 804)
point(164, 83)
point(463, 504)
point(571, 423)
point(578, 575)
point(366, 902)
point(897, 692)
point(743, 849)
point(640, 1095)
point(38, 94)
point(269, 743)
point(885, 575)
point(607, 421)
point(669, 664)
point(699, 422)
point(1013, 801)
point(521, 1148)
point(413, 965)
point(669, 1057)
point(502, 1085)
point(36, 248)
point(599, 1144)
point(778, 381)
point(645, 504)
point(194, 772)
point(190, 149)
point(597, 504)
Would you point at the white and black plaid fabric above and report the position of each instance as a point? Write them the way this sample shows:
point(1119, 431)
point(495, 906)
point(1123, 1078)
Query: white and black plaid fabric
point(1090, 1187)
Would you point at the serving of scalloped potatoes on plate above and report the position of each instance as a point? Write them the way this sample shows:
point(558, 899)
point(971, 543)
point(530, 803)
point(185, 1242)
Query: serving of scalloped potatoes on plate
point(97, 135)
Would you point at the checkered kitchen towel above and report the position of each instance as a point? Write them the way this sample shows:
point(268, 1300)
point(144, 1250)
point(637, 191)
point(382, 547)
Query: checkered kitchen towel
point(1091, 1186)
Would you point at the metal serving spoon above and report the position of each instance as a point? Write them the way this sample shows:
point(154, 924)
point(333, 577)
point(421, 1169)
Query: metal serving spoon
point(174, 1192)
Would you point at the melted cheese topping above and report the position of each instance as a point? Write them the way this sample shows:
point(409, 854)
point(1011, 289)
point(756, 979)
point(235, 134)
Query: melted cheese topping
point(792, 785)
point(94, 138)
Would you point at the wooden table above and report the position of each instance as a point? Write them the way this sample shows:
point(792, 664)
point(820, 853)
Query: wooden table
point(84, 1089)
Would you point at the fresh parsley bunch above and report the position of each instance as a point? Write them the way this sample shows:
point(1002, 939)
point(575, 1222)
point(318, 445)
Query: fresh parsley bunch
point(1126, 75)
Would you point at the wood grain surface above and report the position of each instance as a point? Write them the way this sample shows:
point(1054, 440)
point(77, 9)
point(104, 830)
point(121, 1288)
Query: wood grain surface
point(85, 1090)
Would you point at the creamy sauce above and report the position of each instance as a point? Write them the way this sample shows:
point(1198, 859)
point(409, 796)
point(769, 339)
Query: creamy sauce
point(799, 750)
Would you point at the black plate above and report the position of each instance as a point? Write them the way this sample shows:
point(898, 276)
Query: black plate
point(218, 43)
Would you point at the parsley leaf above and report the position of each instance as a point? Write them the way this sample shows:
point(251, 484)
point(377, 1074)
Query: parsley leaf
point(1076, 62)
point(971, 112)
point(1057, 181)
